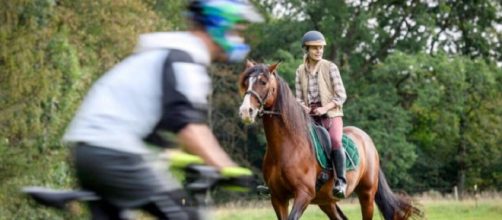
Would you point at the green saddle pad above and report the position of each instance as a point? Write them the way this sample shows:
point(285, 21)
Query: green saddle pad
point(351, 153)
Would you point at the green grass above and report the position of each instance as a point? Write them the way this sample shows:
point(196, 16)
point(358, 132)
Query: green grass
point(434, 210)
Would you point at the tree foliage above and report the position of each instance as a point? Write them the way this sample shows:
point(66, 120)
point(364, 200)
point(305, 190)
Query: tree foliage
point(50, 53)
point(447, 99)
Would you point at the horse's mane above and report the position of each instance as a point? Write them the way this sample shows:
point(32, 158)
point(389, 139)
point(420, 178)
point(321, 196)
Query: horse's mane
point(294, 118)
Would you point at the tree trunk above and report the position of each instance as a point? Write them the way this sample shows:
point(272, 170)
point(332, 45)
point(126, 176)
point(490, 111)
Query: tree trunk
point(462, 157)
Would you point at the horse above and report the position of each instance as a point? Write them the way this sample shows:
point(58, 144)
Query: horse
point(289, 166)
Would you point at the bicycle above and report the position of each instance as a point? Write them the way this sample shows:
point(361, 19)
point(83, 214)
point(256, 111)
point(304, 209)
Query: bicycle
point(199, 180)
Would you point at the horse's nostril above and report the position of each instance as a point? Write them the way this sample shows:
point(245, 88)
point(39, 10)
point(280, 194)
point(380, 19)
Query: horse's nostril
point(250, 111)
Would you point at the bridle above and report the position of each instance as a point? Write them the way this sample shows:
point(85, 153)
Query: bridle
point(261, 109)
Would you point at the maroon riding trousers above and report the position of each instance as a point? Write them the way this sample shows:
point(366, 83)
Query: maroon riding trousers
point(333, 125)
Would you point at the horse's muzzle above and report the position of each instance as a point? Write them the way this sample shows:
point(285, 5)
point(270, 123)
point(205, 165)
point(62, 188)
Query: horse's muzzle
point(247, 114)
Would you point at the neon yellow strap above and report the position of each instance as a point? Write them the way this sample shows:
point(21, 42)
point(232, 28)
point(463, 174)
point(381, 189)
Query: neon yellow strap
point(181, 160)
point(235, 172)
point(236, 188)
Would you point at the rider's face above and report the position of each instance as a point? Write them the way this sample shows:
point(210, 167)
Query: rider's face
point(315, 52)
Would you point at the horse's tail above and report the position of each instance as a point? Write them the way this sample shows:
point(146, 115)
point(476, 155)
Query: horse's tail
point(393, 206)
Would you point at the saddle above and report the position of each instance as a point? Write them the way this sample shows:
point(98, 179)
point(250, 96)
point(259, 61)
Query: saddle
point(321, 143)
point(321, 136)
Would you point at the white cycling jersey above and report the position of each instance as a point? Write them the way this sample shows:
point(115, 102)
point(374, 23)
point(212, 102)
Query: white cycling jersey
point(164, 85)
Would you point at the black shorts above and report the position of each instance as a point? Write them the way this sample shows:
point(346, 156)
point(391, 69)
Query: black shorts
point(129, 181)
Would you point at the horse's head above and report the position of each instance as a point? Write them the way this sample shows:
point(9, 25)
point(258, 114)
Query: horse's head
point(258, 84)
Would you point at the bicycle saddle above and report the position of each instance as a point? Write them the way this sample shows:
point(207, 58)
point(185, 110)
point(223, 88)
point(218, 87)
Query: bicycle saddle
point(58, 198)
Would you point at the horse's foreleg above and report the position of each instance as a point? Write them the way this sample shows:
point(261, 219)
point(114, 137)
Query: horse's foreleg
point(333, 212)
point(280, 207)
point(301, 201)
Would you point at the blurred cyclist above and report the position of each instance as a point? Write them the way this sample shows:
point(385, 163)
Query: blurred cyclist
point(164, 85)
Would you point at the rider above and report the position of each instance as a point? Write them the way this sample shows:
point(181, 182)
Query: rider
point(320, 91)
point(164, 85)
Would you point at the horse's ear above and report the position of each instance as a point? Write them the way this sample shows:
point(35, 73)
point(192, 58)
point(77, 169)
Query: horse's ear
point(249, 64)
point(272, 68)
point(242, 89)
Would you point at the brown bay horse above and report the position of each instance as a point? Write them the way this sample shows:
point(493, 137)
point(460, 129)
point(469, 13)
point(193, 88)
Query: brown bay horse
point(290, 168)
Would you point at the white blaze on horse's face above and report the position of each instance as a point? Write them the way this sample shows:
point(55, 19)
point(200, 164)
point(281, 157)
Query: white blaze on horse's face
point(247, 111)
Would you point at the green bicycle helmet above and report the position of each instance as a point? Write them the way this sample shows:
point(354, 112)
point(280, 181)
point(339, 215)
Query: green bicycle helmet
point(219, 17)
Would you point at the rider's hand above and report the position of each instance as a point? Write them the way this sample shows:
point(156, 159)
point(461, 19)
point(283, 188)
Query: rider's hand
point(305, 108)
point(320, 111)
point(240, 178)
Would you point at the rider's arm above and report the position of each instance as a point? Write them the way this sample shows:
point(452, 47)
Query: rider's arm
point(186, 87)
point(198, 139)
point(299, 92)
point(339, 94)
point(298, 88)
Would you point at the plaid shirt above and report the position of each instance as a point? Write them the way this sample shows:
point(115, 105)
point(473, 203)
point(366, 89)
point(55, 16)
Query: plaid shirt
point(313, 95)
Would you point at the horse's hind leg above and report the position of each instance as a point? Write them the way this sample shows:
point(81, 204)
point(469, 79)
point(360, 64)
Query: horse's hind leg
point(280, 207)
point(301, 202)
point(366, 199)
point(333, 211)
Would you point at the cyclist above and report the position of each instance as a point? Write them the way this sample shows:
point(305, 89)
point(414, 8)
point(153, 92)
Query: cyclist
point(162, 86)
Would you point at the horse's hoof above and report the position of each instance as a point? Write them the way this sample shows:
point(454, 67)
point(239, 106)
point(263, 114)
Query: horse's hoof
point(262, 190)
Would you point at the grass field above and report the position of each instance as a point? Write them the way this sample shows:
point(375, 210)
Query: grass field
point(487, 209)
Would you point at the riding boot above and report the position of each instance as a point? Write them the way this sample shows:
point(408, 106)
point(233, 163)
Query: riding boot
point(338, 160)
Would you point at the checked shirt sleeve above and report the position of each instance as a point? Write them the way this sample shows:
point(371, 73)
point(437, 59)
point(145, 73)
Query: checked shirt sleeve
point(298, 88)
point(339, 94)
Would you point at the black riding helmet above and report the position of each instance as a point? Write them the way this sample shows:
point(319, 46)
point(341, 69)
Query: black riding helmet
point(313, 38)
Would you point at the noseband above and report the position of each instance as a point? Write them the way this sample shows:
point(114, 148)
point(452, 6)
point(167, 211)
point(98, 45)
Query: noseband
point(261, 110)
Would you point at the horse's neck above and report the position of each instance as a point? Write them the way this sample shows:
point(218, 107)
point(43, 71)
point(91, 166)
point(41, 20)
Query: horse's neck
point(274, 139)
point(277, 136)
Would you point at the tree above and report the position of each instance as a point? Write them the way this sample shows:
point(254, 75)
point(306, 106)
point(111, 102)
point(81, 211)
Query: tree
point(448, 97)
point(50, 53)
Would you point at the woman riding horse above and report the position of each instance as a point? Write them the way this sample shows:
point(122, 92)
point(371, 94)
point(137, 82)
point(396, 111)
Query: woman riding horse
point(290, 169)
point(320, 91)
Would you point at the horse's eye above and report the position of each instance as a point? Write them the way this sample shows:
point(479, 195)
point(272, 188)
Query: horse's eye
point(262, 82)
